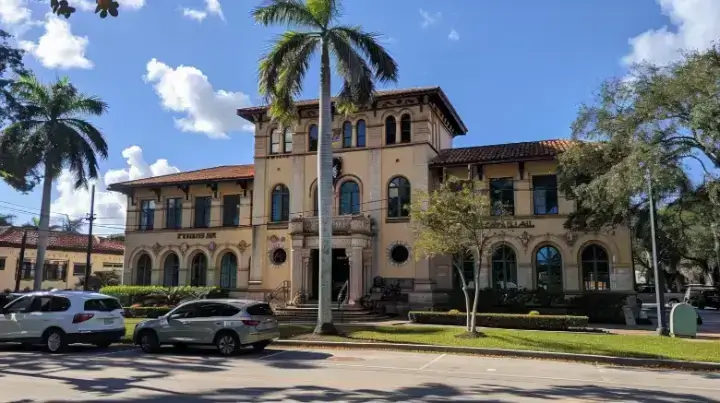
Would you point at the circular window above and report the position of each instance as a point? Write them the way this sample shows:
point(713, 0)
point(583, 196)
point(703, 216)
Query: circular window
point(278, 256)
point(399, 254)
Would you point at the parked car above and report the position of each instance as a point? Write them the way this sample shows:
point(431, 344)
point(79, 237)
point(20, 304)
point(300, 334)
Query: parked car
point(228, 324)
point(702, 296)
point(646, 295)
point(60, 318)
point(7, 298)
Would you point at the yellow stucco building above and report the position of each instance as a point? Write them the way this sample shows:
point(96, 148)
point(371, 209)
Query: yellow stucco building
point(65, 259)
point(253, 228)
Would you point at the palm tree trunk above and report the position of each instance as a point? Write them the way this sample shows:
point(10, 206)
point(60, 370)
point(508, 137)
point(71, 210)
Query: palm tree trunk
point(325, 189)
point(43, 229)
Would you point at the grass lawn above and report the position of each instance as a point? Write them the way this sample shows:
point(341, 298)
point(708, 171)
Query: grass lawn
point(566, 342)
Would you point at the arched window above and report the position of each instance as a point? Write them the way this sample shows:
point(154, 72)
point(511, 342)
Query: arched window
point(280, 207)
point(595, 268)
point(548, 269)
point(143, 270)
point(405, 129)
point(275, 144)
point(399, 197)
point(313, 138)
point(504, 268)
point(171, 271)
point(347, 135)
point(390, 130)
point(289, 133)
point(349, 198)
point(360, 128)
point(198, 270)
point(228, 271)
point(465, 263)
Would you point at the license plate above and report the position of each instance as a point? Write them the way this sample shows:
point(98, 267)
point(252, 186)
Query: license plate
point(109, 321)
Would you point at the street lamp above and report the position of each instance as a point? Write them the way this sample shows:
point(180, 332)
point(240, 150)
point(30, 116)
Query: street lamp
point(659, 292)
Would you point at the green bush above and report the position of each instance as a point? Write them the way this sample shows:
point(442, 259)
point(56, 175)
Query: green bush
point(505, 321)
point(159, 295)
point(150, 312)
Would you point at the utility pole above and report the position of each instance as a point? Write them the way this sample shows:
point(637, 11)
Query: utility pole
point(659, 283)
point(91, 219)
point(21, 262)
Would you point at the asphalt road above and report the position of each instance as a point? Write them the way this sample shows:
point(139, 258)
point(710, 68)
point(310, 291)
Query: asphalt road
point(124, 375)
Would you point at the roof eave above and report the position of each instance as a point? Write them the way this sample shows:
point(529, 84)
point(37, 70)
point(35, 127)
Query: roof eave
point(122, 187)
point(500, 161)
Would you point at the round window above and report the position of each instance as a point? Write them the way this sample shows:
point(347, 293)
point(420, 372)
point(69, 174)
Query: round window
point(278, 256)
point(399, 254)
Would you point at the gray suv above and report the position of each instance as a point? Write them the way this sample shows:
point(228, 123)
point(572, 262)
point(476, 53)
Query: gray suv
point(228, 324)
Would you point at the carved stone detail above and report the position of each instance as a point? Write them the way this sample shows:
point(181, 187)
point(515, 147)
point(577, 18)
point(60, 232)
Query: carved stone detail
point(525, 238)
point(571, 238)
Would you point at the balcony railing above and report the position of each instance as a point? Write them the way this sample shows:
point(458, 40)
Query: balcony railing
point(341, 225)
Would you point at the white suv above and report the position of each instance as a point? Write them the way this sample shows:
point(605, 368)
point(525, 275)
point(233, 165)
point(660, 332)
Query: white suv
point(59, 318)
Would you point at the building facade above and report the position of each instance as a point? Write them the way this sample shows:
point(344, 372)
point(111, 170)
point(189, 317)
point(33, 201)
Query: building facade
point(65, 259)
point(253, 228)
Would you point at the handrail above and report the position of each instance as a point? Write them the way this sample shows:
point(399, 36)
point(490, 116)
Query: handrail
point(281, 290)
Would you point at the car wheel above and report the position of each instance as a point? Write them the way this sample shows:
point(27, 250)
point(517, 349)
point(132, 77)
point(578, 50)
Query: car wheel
point(55, 341)
point(227, 343)
point(149, 342)
point(260, 346)
point(104, 344)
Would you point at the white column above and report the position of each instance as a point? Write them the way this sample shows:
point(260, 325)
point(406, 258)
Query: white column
point(355, 291)
point(296, 269)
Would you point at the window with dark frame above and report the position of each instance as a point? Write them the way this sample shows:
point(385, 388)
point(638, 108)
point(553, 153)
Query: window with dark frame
point(147, 215)
point(275, 141)
point(54, 271)
point(313, 138)
point(231, 210)
point(288, 139)
point(502, 196)
point(398, 197)
point(173, 213)
point(595, 265)
point(2, 263)
point(27, 270)
point(79, 269)
point(347, 135)
point(349, 198)
point(280, 204)
point(390, 130)
point(360, 128)
point(202, 211)
point(405, 129)
point(545, 195)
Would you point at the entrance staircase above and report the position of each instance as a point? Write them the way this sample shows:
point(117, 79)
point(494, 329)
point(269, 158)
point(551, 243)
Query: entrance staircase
point(307, 313)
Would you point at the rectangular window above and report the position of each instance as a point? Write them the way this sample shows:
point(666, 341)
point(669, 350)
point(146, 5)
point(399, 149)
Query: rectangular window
point(502, 196)
point(545, 196)
point(27, 270)
point(79, 269)
point(54, 271)
point(231, 211)
point(202, 211)
point(147, 215)
point(112, 266)
point(2, 263)
point(288, 140)
point(275, 141)
point(173, 213)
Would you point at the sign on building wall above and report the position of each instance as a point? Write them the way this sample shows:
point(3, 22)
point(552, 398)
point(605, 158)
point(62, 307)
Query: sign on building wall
point(510, 224)
point(197, 235)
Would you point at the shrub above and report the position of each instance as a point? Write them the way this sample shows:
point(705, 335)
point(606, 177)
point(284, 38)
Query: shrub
point(7, 291)
point(150, 312)
point(506, 321)
point(599, 307)
point(533, 313)
point(148, 295)
point(454, 312)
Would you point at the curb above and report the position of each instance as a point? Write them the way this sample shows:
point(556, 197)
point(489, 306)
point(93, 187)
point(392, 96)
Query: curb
point(546, 355)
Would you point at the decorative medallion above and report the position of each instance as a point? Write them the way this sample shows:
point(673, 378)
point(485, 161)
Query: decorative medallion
point(184, 247)
point(525, 239)
point(571, 238)
point(242, 246)
point(212, 246)
point(273, 238)
point(398, 253)
point(157, 247)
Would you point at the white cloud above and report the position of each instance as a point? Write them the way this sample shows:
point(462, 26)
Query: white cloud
point(429, 19)
point(212, 7)
point(110, 207)
point(58, 47)
point(185, 89)
point(695, 25)
point(14, 12)
point(454, 35)
point(89, 5)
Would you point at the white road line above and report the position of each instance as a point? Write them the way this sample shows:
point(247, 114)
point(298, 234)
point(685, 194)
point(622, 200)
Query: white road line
point(273, 354)
point(433, 361)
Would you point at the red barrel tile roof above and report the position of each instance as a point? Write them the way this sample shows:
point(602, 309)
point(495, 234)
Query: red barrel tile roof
point(542, 149)
point(221, 173)
point(12, 237)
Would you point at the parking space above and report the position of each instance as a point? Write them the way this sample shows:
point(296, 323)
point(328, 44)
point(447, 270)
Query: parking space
point(293, 375)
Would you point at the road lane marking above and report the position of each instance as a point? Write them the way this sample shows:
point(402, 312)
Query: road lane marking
point(433, 361)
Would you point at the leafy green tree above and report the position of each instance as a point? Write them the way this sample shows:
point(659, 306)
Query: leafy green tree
point(53, 134)
point(6, 219)
point(103, 8)
point(73, 225)
point(34, 223)
point(360, 61)
point(455, 220)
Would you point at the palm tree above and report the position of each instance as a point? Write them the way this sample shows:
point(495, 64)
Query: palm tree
point(73, 225)
point(6, 219)
point(53, 134)
point(359, 61)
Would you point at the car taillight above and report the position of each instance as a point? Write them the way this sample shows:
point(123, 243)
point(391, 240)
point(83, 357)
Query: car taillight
point(82, 317)
point(248, 322)
point(122, 313)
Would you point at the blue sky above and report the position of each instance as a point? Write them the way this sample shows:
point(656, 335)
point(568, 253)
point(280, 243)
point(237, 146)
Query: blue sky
point(173, 72)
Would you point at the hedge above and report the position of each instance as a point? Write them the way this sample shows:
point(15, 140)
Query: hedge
point(160, 295)
point(505, 321)
point(150, 312)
